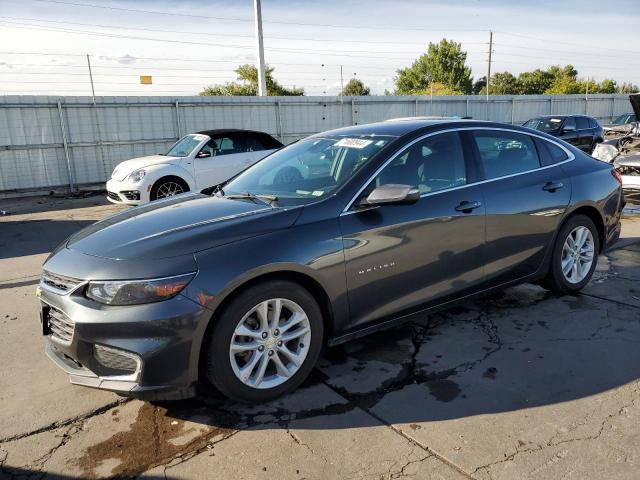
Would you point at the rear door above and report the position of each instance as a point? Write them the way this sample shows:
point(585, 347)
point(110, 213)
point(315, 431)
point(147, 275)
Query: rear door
point(585, 134)
point(525, 200)
point(569, 132)
point(400, 256)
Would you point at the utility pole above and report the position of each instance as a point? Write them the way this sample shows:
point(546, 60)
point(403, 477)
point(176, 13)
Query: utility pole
point(93, 92)
point(489, 62)
point(262, 83)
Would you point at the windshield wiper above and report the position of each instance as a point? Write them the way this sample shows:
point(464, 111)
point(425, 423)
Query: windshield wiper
point(268, 199)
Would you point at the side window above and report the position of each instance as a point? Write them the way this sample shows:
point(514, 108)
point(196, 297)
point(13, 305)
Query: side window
point(550, 153)
point(593, 123)
point(569, 122)
point(435, 163)
point(582, 123)
point(249, 143)
point(505, 153)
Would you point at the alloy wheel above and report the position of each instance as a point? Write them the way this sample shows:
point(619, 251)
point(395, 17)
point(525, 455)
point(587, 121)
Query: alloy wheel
point(270, 343)
point(169, 189)
point(577, 254)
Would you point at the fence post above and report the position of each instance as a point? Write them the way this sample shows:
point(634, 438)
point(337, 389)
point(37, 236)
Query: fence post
point(416, 110)
point(467, 108)
point(178, 127)
point(613, 107)
point(66, 146)
point(353, 111)
point(279, 118)
point(550, 106)
point(513, 110)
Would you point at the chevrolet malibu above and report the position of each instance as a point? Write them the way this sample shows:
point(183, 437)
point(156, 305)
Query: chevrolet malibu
point(339, 235)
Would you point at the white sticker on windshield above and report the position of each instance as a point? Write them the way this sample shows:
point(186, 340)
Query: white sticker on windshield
point(353, 143)
point(199, 137)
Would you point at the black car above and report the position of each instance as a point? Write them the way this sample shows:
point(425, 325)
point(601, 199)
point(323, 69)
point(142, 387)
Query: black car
point(331, 238)
point(578, 130)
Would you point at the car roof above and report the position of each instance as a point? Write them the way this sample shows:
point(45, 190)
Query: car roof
point(404, 128)
point(562, 116)
point(224, 131)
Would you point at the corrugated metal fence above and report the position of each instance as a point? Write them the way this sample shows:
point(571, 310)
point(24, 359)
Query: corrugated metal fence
point(48, 142)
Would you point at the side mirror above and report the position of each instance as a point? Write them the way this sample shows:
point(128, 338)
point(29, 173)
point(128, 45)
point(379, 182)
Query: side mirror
point(392, 194)
point(569, 128)
point(203, 155)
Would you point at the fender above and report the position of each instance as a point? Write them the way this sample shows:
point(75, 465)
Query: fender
point(156, 172)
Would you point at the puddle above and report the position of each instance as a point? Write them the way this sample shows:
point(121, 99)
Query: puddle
point(152, 439)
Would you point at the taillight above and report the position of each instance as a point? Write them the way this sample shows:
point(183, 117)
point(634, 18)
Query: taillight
point(616, 175)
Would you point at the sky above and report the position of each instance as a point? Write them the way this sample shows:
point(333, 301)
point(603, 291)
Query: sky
point(188, 45)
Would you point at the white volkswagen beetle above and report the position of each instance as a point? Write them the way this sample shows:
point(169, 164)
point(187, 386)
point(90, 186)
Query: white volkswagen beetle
point(196, 161)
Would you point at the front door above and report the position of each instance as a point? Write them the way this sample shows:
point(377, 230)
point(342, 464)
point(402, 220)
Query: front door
point(399, 257)
point(220, 159)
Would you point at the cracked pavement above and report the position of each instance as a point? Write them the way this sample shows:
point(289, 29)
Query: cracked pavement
point(521, 384)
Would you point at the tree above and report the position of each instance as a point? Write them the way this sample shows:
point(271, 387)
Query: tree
point(443, 63)
point(535, 82)
point(502, 84)
point(628, 88)
point(354, 88)
point(479, 85)
point(248, 84)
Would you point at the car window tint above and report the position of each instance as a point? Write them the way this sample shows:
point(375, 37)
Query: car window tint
point(582, 123)
point(569, 122)
point(432, 164)
point(505, 153)
point(593, 123)
point(550, 153)
point(247, 143)
point(220, 146)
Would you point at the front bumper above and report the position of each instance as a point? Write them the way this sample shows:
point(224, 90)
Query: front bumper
point(164, 337)
point(631, 192)
point(127, 193)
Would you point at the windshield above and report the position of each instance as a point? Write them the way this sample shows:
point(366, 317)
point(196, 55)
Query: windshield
point(184, 146)
point(622, 119)
point(308, 170)
point(544, 124)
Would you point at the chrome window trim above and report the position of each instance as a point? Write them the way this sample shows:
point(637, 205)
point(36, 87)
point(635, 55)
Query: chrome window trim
point(347, 210)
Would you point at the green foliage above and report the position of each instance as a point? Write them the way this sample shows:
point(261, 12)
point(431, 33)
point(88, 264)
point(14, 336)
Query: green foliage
point(535, 82)
point(443, 63)
point(248, 84)
point(627, 88)
point(354, 88)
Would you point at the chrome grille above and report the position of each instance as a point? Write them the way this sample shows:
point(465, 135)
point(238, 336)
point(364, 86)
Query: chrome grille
point(60, 326)
point(59, 282)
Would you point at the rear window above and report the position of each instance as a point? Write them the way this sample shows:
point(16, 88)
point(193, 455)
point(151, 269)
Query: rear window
point(582, 123)
point(593, 123)
point(550, 153)
point(506, 153)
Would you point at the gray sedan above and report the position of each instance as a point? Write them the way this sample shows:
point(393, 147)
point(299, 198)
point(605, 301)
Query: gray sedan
point(336, 236)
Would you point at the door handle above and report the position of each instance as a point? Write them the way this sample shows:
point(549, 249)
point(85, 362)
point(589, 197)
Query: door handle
point(467, 207)
point(552, 186)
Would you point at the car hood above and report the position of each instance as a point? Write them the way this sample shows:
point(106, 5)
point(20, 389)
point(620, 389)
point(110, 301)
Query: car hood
point(177, 226)
point(629, 160)
point(125, 168)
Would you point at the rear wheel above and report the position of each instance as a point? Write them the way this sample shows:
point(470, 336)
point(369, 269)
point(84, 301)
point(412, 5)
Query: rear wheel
point(168, 187)
point(265, 342)
point(574, 257)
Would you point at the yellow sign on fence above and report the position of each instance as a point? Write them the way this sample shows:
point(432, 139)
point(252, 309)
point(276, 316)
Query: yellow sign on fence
point(146, 79)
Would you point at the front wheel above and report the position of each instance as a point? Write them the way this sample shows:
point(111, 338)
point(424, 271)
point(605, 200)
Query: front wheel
point(265, 342)
point(168, 187)
point(574, 257)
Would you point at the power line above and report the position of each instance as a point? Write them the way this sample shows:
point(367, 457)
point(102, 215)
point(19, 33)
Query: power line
point(547, 40)
point(236, 19)
point(341, 53)
point(226, 35)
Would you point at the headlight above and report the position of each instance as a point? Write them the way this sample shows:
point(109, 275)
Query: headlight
point(137, 176)
point(134, 292)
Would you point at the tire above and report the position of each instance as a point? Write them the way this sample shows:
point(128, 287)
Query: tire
point(224, 369)
point(562, 255)
point(171, 185)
